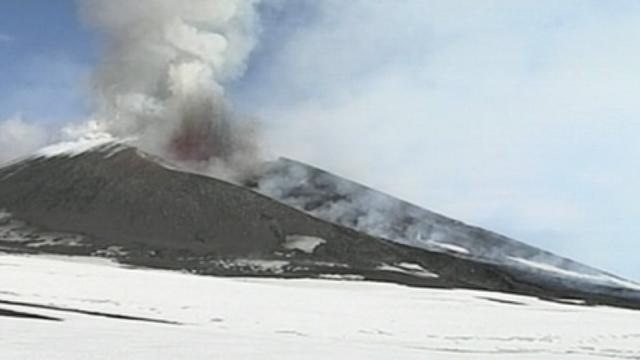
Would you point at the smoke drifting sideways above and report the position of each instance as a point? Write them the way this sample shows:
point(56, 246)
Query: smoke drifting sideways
point(161, 76)
point(18, 137)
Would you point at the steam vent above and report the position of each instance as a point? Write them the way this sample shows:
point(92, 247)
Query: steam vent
point(112, 200)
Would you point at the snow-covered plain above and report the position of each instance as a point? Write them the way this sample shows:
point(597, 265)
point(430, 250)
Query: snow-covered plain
point(242, 318)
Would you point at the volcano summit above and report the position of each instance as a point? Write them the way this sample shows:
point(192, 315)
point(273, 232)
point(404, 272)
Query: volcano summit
point(108, 199)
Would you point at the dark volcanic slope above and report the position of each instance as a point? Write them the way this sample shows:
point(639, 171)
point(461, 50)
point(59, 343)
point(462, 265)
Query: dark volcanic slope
point(358, 207)
point(116, 201)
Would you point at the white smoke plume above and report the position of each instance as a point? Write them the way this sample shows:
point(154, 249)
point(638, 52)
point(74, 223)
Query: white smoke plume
point(161, 77)
point(19, 138)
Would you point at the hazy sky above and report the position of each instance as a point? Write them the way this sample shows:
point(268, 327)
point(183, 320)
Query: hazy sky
point(519, 116)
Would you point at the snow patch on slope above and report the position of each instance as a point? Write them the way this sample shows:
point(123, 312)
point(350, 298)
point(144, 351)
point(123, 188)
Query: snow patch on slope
point(255, 265)
point(4, 215)
point(103, 141)
point(449, 247)
point(408, 268)
point(602, 279)
point(307, 244)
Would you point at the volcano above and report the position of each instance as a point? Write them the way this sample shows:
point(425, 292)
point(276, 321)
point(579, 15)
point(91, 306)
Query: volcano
point(290, 220)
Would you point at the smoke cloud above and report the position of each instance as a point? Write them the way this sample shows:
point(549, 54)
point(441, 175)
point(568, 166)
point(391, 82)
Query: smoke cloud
point(519, 118)
point(162, 73)
point(19, 138)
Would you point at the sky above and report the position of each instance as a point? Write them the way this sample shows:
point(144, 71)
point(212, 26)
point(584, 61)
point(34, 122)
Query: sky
point(517, 116)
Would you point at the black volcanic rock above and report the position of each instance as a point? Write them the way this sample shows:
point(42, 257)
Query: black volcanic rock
point(116, 201)
point(128, 199)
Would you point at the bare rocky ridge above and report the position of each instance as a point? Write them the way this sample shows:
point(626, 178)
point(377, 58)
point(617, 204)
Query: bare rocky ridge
point(118, 202)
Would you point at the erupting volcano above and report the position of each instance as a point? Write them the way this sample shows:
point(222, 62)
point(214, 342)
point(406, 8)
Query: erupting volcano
point(289, 220)
point(196, 140)
point(163, 215)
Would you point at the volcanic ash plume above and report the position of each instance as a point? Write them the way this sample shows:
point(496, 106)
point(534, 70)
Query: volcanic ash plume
point(162, 74)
